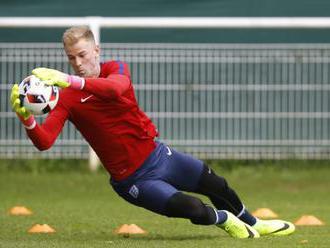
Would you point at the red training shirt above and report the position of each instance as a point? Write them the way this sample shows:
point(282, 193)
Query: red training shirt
point(106, 113)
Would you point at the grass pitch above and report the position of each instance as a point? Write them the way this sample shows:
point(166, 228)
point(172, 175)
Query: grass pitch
point(84, 210)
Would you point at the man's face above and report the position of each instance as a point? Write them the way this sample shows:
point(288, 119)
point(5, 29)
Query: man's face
point(84, 58)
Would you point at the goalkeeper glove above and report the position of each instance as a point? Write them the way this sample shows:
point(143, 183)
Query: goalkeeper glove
point(57, 78)
point(16, 103)
point(24, 115)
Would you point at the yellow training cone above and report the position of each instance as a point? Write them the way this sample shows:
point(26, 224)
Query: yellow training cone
point(41, 229)
point(20, 210)
point(309, 220)
point(265, 213)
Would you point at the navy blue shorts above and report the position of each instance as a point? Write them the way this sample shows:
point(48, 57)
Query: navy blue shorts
point(165, 172)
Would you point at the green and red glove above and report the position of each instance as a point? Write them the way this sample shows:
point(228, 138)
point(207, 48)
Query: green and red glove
point(57, 78)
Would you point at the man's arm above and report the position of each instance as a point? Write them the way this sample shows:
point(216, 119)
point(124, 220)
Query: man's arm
point(107, 88)
point(110, 87)
point(44, 135)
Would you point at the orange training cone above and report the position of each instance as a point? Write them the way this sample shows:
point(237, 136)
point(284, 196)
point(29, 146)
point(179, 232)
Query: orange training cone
point(134, 229)
point(127, 230)
point(41, 229)
point(309, 220)
point(20, 210)
point(264, 213)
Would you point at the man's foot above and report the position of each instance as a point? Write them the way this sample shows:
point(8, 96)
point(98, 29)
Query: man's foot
point(237, 228)
point(274, 227)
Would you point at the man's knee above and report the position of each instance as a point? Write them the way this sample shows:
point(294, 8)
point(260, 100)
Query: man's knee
point(211, 183)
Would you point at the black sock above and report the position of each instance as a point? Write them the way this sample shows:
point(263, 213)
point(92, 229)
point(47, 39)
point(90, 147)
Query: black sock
point(246, 217)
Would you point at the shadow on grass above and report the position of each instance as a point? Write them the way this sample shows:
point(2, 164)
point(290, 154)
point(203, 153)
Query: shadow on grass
point(180, 237)
point(81, 237)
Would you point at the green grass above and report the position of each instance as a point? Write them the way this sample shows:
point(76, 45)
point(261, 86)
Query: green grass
point(84, 210)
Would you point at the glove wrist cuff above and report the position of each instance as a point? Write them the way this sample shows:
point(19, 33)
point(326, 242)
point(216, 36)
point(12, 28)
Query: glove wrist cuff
point(28, 123)
point(76, 82)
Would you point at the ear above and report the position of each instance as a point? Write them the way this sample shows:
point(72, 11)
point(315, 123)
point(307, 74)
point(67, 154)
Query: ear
point(97, 51)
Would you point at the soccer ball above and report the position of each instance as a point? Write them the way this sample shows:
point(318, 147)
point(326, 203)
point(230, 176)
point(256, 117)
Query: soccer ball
point(36, 96)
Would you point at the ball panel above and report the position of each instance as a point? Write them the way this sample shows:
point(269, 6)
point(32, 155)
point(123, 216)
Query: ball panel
point(35, 98)
point(46, 109)
point(22, 99)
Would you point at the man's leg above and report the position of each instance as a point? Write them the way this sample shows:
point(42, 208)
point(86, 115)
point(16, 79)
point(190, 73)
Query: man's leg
point(186, 206)
point(183, 172)
point(223, 197)
point(162, 198)
point(181, 205)
point(190, 174)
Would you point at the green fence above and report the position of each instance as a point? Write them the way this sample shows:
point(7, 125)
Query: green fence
point(213, 100)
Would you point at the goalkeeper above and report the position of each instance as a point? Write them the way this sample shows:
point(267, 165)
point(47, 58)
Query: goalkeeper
point(99, 100)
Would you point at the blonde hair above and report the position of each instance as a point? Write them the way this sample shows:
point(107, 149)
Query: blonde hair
point(72, 35)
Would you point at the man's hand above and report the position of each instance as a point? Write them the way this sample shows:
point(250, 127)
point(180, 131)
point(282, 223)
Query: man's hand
point(60, 79)
point(16, 103)
point(52, 77)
